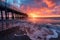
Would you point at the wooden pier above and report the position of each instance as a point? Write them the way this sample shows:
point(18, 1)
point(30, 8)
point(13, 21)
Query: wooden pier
point(6, 13)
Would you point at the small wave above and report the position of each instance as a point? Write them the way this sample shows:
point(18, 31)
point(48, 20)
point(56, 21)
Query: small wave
point(38, 32)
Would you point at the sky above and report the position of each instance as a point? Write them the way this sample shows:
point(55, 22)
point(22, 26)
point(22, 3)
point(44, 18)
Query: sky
point(37, 7)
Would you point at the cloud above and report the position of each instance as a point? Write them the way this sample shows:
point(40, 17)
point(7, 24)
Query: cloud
point(42, 7)
point(49, 3)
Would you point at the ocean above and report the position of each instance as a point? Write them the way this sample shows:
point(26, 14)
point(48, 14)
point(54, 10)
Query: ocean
point(34, 28)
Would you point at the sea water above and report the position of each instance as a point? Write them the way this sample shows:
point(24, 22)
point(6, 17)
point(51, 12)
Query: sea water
point(38, 29)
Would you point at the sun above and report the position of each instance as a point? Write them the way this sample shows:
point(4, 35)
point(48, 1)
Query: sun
point(33, 15)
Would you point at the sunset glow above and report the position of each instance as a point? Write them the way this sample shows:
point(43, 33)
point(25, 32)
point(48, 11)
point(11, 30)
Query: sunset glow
point(33, 15)
point(29, 19)
point(37, 8)
point(45, 8)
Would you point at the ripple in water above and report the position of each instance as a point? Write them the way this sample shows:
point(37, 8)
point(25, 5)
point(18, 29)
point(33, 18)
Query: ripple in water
point(38, 31)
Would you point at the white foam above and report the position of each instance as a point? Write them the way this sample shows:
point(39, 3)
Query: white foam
point(34, 31)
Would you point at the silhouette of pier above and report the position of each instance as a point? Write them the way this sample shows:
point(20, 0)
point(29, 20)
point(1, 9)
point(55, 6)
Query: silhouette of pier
point(6, 13)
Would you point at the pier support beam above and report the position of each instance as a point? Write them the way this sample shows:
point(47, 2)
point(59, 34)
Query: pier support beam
point(6, 14)
point(1, 15)
point(12, 15)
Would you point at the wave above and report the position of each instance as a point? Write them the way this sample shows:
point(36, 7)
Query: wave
point(39, 31)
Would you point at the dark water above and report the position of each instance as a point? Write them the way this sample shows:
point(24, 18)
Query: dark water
point(35, 29)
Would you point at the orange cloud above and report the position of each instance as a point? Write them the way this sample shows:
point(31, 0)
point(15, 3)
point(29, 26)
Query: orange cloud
point(50, 3)
point(37, 11)
point(52, 10)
